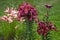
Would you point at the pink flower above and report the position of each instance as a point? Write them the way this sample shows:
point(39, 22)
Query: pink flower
point(27, 11)
point(10, 19)
point(48, 5)
point(7, 10)
point(52, 27)
point(4, 18)
point(44, 27)
point(39, 31)
point(41, 24)
point(12, 12)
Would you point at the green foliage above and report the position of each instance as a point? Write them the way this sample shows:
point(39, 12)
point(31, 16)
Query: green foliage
point(8, 31)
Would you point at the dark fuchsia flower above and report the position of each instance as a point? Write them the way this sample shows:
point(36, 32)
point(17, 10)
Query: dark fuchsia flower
point(48, 6)
point(43, 28)
point(51, 26)
point(27, 12)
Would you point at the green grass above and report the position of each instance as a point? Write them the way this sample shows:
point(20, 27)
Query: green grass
point(7, 29)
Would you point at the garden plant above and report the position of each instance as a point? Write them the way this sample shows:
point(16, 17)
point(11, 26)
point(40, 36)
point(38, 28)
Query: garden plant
point(23, 23)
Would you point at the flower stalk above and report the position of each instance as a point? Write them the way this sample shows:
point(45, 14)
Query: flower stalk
point(29, 31)
point(45, 26)
point(48, 6)
point(29, 14)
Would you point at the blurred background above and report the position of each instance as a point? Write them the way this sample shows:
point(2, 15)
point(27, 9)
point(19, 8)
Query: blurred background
point(8, 31)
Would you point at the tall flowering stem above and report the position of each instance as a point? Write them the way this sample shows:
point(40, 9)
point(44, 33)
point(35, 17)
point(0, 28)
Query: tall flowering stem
point(45, 26)
point(48, 7)
point(29, 32)
point(29, 14)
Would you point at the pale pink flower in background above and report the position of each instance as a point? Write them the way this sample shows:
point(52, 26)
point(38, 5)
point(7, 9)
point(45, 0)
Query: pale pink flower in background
point(10, 19)
point(9, 14)
point(7, 10)
point(4, 18)
point(13, 11)
point(12, 14)
point(22, 20)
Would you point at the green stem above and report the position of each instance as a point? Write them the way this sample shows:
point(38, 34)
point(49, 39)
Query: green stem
point(29, 32)
point(46, 19)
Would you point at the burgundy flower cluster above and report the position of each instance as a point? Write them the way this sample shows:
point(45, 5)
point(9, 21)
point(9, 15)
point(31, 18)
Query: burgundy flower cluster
point(48, 6)
point(27, 12)
point(44, 27)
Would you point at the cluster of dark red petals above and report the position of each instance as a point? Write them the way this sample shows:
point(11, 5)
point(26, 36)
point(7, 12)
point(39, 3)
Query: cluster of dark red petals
point(48, 6)
point(27, 12)
point(44, 27)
